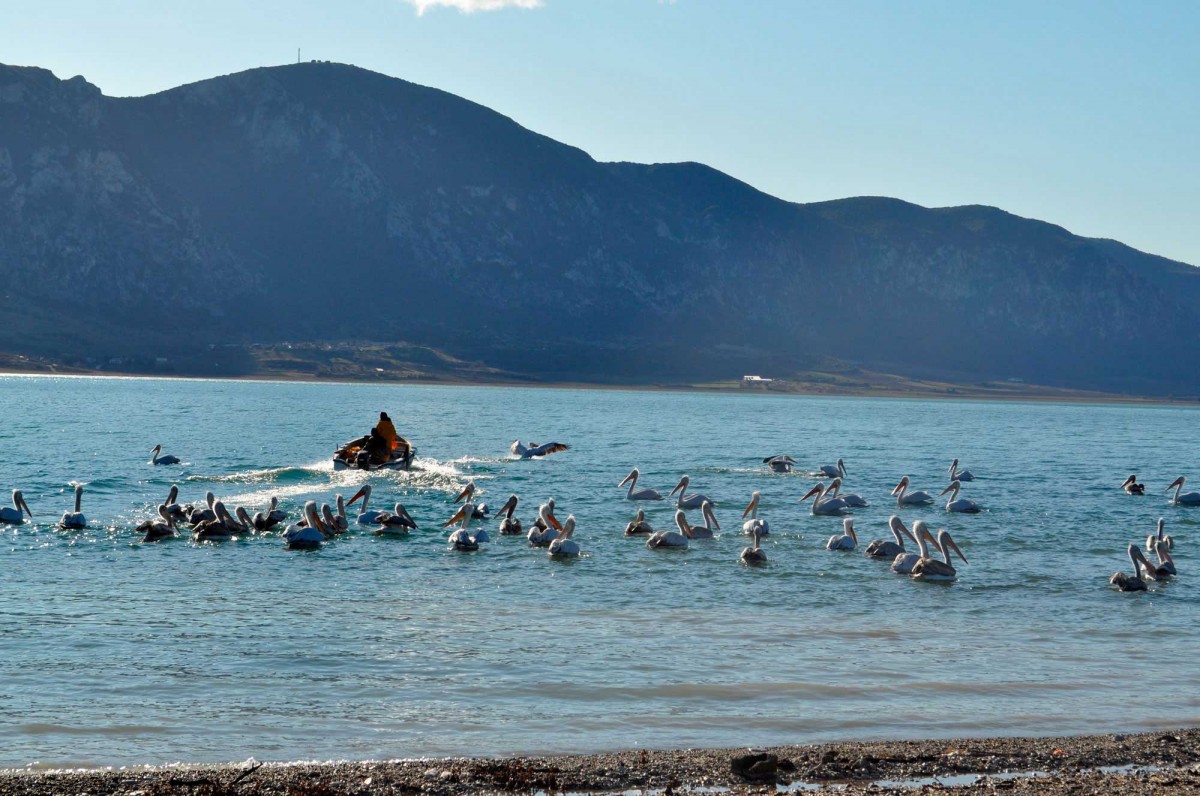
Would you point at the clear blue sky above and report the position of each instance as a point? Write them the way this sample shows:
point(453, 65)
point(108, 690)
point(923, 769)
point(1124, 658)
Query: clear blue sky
point(1086, 114)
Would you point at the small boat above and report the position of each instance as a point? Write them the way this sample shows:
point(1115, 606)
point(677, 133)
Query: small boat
point(353, 456)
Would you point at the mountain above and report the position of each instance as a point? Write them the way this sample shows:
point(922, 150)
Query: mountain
point(322, 202)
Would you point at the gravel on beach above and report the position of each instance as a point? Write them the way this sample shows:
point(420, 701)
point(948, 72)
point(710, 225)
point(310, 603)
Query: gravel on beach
point(1145, 763)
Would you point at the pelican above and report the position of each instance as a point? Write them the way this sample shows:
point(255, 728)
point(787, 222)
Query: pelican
point(1153, 539)
point(1187, 498)
point(833, 470)
point(1132, 487)
point(197, 515)
point(931, 568)
point(638, 525)
point(461, 538)
point(168, 459)
point(366, 516)
point(676, 539)
point(638, 494)
point(468, 495)
point(564, 546)
point(397, 523)
point(961, 505)
point(244, 520)
point(754, 524)
point(705, 531)
point(157, 531)
point(903, 564)
point(274, 515)
point(331, 521)
point(533, 449)
point(1166, 564)
point(881, 548)
point(547, 527)
point(308, 536)
point(847, 540)
point(686, 501)
point(1132, 582)
point(509, 525)
point(850, 499)
point(779, 464)
point(754, 554)
point(16, 514)
point(906, 498)
point(75, 520)
point(220, 529)
point(172, 503)
point(823, 503)
point(957, 474)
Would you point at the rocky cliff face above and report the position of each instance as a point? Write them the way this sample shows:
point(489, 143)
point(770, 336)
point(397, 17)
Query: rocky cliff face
point(321, 201)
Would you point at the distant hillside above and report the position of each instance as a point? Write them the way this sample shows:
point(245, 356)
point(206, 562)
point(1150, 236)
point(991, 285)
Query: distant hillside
point(324, 202)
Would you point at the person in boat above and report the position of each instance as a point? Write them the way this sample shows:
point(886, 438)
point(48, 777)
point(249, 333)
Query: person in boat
point(378, 447)
point(388, 431)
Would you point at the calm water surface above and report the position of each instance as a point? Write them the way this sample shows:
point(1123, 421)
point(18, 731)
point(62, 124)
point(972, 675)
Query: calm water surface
point(116, 652)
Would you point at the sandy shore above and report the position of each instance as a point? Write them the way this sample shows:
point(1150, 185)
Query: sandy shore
point(1159, 762)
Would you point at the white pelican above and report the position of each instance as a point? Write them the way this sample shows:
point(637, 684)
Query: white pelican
point(468, 495)
point(931, 568)
point(533, 449)
point(906, 498)
point(274, 515)
point(779, 464)
point(461, 538)
point(851, 499)
point(961, 505)
point(564, 546)
point(754, 524)
point(1159, 536)
point(308, 536)
point(754, 554)
point(16, 514)
point(1132, 582)
point(903, 564)
point(674, 539)
point(222, 528)
point(638, 494)
point(331, 521)
point(197, 515)
point(823, 504)
point(157, 531)
point(75, 520)
point(638, 525)
point(686, 501)
point(545, 529)
point(244, 519)
point(366, 516)
point(1187, 498)
point(168, 459)
point(881, 548)
point(833, 470)
point(397, 523)
point(702, 531)
point(847, 540)
point(957, 474)
point(1166, 564)
point(1132, 487)
point(509, 525)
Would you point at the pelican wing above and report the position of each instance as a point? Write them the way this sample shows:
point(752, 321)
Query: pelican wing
point(548, 448)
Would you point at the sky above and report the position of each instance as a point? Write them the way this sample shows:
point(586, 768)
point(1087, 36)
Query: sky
point(1084, 114)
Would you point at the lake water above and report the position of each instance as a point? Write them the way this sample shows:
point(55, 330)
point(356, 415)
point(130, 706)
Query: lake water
point(117, 652)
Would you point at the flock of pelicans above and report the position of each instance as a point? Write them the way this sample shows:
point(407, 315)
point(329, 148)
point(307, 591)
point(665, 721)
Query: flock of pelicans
point(212, 521)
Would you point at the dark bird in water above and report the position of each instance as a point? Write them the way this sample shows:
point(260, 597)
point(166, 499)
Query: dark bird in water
point(1132, 487)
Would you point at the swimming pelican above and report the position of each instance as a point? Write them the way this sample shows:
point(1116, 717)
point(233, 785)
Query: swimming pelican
point(168, 459)
point(1132, 487)
point(1159, 536)
point(16, 514)
point(881, 548)
point(833, 470)
point(903, 564)
point(931, 568)
point(273, 516)
point(331, 521)
point(906, 498)
point(824, 504)
point(533, 449)
point(957, 474)
point(673, 539)
point(545, 530)
point(638, 494)
point(847, 540)
point(638, 525)
point(686, 501)
point(754, 554)
point(157, 531)
point(754, 523)
point(172, 503)
point(1166, 564)
point(1132, 582)
point(75, 520)
point(197, 515)
point(396, 523)
point(244, 519)
point(961, 505)
point(509, 525)
point(779, 464)
point(851, 499)
point(308, 536)
point(564, 546)
point(461, 538)
point(1187, 498)
point(366, 516)
point(222, 528)
point(468, 495)
point(702, 531)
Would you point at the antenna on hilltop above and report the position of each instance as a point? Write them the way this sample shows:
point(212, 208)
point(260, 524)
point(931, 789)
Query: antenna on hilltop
point(297, 55)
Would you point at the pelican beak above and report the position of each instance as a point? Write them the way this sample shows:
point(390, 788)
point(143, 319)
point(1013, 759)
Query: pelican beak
point(1174, 484)
point(850, 532)
point(907, 533)
point(713, 517)
point(26, 506)
point(947, 489)
point(954, 546)
point(626, 480)
point(456, 518)
point(678, 487)
point(357, 496)
point(466, 491)
point(749, 508)
point(816, 490)
point(554, 521)
point(408, 516)
point(896, 490)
